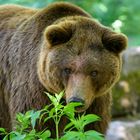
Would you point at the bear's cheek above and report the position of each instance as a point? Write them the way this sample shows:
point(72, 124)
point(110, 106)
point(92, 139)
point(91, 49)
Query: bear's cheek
point(50, 73)
point(105, 81)
point(53, 78)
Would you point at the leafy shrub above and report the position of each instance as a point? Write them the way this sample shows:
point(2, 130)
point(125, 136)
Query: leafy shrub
point(25, 128)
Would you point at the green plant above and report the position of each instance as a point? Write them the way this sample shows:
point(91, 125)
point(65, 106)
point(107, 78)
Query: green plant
point(25, 128)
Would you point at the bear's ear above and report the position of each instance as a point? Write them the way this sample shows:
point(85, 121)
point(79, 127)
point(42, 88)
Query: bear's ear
point(114, 42)
point(57, 34)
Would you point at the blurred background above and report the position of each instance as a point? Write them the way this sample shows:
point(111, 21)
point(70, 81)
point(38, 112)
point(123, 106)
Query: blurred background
point(122, 16)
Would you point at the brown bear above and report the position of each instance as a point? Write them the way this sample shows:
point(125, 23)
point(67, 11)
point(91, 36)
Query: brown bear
point(56, 48)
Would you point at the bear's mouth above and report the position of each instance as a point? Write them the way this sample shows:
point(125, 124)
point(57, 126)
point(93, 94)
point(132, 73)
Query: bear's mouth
point(81, 108)
point(78, 109)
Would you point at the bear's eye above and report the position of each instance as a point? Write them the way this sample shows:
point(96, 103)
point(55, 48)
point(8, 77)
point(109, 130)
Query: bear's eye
point(94, 73)
point(67, 71)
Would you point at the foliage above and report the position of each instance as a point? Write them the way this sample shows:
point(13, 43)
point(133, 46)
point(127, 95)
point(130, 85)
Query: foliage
point(25, 128)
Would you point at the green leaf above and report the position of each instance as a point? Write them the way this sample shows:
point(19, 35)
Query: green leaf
point(77, 124)
point(80, 122)
point(16, 136)
point(45, 135)
point(23, 121)
point(46, 119)
point(69, 109)
point(45, 113)
point(46, 108)
point(34, 117)
point(52, 98)
point(59, 96)
point(71, 135)
point(94, 135)
point(59, 106)
point(19, 117)
point(42, 116)
point(6, 137)
point(68, 126)
point(51, 113)
point(2, 131)
point(89, 119)
point(31, 135)
point(89, 135)
point(32, 132)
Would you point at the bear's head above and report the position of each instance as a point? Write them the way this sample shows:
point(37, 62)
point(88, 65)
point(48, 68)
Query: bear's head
point(81, 57)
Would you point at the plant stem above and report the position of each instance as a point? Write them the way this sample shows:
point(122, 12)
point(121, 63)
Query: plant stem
point(56, 124)
point(57, 132)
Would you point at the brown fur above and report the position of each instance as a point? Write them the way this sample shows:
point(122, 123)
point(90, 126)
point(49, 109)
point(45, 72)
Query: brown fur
point(36, 48)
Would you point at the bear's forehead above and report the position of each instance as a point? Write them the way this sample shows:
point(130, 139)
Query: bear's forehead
point(80, 23)
point(87, 24)
point(88, 31)
point(88, 36)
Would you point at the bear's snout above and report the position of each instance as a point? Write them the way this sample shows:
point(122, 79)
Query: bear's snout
point(79, 89)
point(76, 99)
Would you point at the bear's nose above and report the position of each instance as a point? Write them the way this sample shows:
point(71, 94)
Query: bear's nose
point(78, 100)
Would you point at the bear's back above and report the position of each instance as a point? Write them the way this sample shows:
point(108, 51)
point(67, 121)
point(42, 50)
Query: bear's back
point(11, 16)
